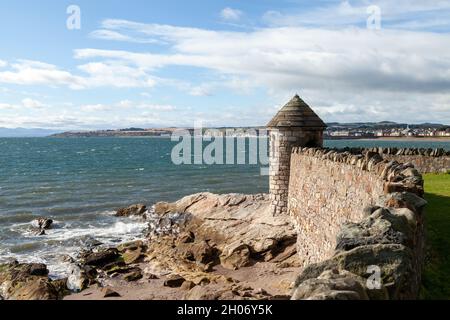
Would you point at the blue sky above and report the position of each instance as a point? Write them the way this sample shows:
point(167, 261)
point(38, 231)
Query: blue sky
point(172, 63)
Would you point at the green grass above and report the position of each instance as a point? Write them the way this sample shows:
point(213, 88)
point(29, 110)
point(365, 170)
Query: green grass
point(436, 276)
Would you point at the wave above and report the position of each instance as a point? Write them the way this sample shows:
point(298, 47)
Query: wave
point(68, 239)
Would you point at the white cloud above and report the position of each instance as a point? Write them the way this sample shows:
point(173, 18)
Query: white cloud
point(156, 107)
point(346, 73)
point(291, 57)
point(94, 75)
point(32, 104)
point(3, 63)
point(94, 107)
point(404, 14)
point(201, 91)
point(24, 104)
point(117, 36)
point(26, 72)
point(230, 14)
point(125, 104)
point(7, 106)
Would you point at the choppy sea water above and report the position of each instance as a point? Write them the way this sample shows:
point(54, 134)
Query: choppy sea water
point(79, 183)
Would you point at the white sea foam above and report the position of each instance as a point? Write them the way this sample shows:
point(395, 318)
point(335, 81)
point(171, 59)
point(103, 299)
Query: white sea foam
point(69, 238)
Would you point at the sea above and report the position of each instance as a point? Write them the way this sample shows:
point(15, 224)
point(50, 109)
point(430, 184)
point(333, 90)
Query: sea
point(81, 182)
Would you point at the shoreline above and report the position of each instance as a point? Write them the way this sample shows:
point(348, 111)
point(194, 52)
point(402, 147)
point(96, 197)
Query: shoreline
point(428, 139)
point(393, 139)
point(210, 250)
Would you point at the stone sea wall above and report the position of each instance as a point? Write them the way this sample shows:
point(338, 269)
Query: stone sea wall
point(324, 194)
point(360, 224)
point(424, 160)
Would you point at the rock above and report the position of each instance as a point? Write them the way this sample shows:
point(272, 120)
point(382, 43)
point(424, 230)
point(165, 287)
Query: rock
point(235, 256)
point(187, 285)
point(42, 223)
point(134, 210)
point(77, 280)
point(38, 269)
point(90, 272)
point(398, 279)
point(101, 258)
point(61, 287)
point(236, 200)
point(109, 293)
point(67, 258)
point(210, 293)
point(264, 245)
point(192, 235)
point(117, 268)
point(132, 256)
point(138, 244)
point(186, 237)
point(204, 253)
point(135, 275)
point(45, 223)
point(280, 297)
point(382, 227)
point(406, 200)
point(286, 254)
point(27, 282)
point(174, 281)
point(332, 285)
point(152, 276)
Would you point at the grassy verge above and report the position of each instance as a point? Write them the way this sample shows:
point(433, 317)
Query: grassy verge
point(436, 276)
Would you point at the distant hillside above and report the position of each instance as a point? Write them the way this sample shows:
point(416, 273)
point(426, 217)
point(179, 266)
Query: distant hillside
point(383, 125)
point(156, 132)
point(25, 133)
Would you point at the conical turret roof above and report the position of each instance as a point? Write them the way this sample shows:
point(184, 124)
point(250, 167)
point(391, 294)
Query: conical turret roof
point(296, 113)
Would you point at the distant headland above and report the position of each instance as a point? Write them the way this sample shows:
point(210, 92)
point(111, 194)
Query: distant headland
point(334, 131)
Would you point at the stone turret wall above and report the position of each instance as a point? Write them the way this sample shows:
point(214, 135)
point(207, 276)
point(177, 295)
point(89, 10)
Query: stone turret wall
point(281, 143)
point(360, 221)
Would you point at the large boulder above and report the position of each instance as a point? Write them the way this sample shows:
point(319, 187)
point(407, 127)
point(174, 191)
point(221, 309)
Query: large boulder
point(132, 252)
point(237, 227)
point(134, 210)
point(78, 280)
point(381, 227)
point(101, 258)
point(332, 285)
point(235, 256)
point(28, 282)
point(398, 279)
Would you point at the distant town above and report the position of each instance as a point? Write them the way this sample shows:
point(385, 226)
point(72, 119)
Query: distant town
point(366, 130)
point(385, 129)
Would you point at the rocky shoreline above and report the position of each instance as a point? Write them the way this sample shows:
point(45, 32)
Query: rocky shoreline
point(204, 246)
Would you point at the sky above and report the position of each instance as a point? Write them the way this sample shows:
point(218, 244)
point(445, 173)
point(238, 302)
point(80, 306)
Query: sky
point(82, 65)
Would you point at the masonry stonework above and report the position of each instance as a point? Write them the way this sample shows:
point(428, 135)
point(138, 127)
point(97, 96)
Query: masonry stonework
point(425, 160)
point(323, 195)
point(423, 164)
point(282, 142)
point(360, 221)
point(295, 125)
